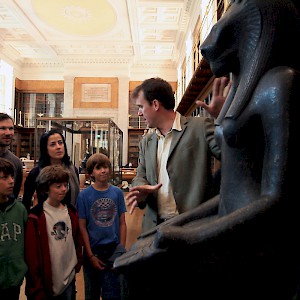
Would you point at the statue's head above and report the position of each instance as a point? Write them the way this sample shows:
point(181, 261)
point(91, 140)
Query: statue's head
point(252, 37)
point(250, 31)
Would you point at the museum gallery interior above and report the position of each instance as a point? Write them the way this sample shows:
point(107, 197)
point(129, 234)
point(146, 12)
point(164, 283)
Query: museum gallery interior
point(73, 64)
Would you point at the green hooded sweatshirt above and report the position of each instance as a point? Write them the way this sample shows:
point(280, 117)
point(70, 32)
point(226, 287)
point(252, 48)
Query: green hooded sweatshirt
point(13, 217)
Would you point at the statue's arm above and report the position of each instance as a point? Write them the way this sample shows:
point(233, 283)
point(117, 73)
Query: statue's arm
point(214, 229)
point(207, 209)
point(279, 90)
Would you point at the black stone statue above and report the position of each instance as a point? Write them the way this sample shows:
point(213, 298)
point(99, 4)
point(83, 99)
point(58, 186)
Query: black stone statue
point(242, 244)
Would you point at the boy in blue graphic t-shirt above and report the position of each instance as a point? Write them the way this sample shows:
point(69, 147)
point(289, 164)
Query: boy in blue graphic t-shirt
point(101, 209)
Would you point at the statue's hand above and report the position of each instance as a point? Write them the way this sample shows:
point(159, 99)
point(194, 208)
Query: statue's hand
point(168, 236)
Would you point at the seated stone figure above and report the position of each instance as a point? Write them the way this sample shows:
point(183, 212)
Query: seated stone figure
point(242, 244)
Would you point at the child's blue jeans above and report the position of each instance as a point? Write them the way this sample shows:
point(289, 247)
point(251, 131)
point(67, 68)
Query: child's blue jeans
point(108, 282)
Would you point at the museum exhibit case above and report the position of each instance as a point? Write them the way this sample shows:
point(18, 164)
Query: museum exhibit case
point(85, 137)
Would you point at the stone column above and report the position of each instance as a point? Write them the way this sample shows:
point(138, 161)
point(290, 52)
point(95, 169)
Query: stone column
point(68, 96)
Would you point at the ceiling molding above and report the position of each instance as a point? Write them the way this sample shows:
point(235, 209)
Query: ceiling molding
point(147, 34)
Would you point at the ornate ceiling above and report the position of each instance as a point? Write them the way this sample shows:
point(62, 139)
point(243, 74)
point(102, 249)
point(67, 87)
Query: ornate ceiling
point(139, 32)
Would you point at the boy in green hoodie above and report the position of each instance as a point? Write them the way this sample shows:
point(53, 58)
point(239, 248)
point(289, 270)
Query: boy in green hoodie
point(13, 216)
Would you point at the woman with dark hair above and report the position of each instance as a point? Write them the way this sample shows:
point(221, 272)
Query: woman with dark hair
point(53, 151)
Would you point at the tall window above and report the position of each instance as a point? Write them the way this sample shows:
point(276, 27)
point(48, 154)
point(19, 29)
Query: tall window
point(6, 88)
point(220, 9)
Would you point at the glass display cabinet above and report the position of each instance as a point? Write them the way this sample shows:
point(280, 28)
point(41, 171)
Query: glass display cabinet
point(85, 137)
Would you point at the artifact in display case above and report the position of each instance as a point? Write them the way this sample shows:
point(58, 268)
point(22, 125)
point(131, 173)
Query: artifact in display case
point(85, 137)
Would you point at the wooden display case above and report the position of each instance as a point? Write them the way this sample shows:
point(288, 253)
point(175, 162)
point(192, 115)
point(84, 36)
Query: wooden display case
point(128, 174)
point(84, 137)
point(23, 142)
point(134, 138)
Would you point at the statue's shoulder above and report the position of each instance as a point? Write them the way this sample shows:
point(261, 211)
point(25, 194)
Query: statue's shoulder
point(276, 90)
point(280, 79)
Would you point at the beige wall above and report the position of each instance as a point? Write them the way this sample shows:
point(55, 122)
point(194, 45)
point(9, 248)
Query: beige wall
point(118, 113)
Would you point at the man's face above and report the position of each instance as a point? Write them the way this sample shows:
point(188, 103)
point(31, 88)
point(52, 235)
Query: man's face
point(6, 132)
point(145, 110)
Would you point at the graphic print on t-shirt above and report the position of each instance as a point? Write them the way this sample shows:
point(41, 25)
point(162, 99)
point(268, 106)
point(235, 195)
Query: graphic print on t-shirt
point(60, 230)
point(103, 212)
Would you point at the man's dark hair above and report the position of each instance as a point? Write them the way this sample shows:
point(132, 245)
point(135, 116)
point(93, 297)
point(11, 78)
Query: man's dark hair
point(5, 116)
point(156, 88)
